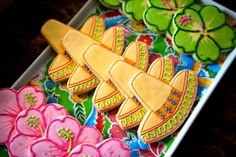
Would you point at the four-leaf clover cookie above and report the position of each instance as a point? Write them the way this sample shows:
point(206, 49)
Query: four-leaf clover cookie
point(158, 16)
point(203, 33)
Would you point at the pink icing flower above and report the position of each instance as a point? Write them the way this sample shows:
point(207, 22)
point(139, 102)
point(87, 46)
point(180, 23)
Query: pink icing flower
point(30, 126)
point(61, 136)
point(174, 59)
point(12, 103)
point(109, 148)
point(146, 39)
point(117, 132)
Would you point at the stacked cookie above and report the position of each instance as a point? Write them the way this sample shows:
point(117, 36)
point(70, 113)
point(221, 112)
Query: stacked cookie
point(116, 73)
point(152, 97)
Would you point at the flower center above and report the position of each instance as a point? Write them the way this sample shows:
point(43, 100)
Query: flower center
point(31, 99)
point(67, 135)
point(34, 122)
point(187, 19)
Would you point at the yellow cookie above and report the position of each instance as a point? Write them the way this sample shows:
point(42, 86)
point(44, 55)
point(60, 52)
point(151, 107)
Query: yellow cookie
point(167, 105)
point(99, 60)
point(131, 111)
point(76, 43)
point(62, 66)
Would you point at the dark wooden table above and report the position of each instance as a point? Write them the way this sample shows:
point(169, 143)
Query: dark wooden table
point(212, 134)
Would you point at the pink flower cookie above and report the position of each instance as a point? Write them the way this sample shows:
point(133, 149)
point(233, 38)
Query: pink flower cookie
point(12, 103)
point(112, 147)
point(30, 126)
point(61, 136)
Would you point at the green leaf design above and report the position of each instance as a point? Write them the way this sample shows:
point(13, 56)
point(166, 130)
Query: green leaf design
point(80, 113)
point(158, 17)
point(110, 3)
point(207, 50)
point(152, 14)
point(224, 36)
point(203, 33)
point(134, 9)
point(212, 17)
point(189, 20)
point(185, 42)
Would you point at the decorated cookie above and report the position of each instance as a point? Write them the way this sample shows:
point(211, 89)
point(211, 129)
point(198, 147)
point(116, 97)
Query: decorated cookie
point(31, 125)
point(106, 96)
point(110, 147)
point(111, 3)
point(62, 136)
point(12, 103)
point(168, 107)
point(83, 80)
point(131, 111)
point(203, 33)
point(63, 66)
point(158, 16)
point(134, 9)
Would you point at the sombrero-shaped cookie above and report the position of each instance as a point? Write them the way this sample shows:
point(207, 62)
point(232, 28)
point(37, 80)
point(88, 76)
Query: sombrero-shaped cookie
point(99, 60)
point(76, 43)
point(131, 111)
point(62, 66)
point(167, 105)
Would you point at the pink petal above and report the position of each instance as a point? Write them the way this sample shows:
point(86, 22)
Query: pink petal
point(6, 128)
point(8, 102)
point(113, 147)
point(30, 97)
point(12, 134)
point(85, 150)
point(20, 144)
point(63, 123)
point(33, 115)
point(46, 148)
point(89, 135)
point(52, 111)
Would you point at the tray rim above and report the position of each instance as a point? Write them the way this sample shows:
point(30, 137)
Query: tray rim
point(79, 19)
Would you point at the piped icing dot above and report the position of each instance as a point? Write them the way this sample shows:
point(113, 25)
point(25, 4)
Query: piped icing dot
point(65, 133)
point(33, 121)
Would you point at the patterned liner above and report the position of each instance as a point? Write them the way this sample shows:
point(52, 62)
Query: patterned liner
point(81, 106)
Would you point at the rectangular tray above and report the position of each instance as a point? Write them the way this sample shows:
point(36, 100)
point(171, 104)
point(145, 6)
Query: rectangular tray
point(79, 19)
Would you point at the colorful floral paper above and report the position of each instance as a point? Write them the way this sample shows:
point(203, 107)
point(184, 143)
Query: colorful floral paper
point(81, 107)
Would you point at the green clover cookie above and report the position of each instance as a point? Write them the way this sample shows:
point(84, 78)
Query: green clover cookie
point(203, 33)
point(158, 16)
point(111, 3)
point(134, 9)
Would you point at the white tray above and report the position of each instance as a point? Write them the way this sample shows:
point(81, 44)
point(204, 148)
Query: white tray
point(79, 19)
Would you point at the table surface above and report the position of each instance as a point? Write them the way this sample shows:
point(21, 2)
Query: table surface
point(212, 134)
